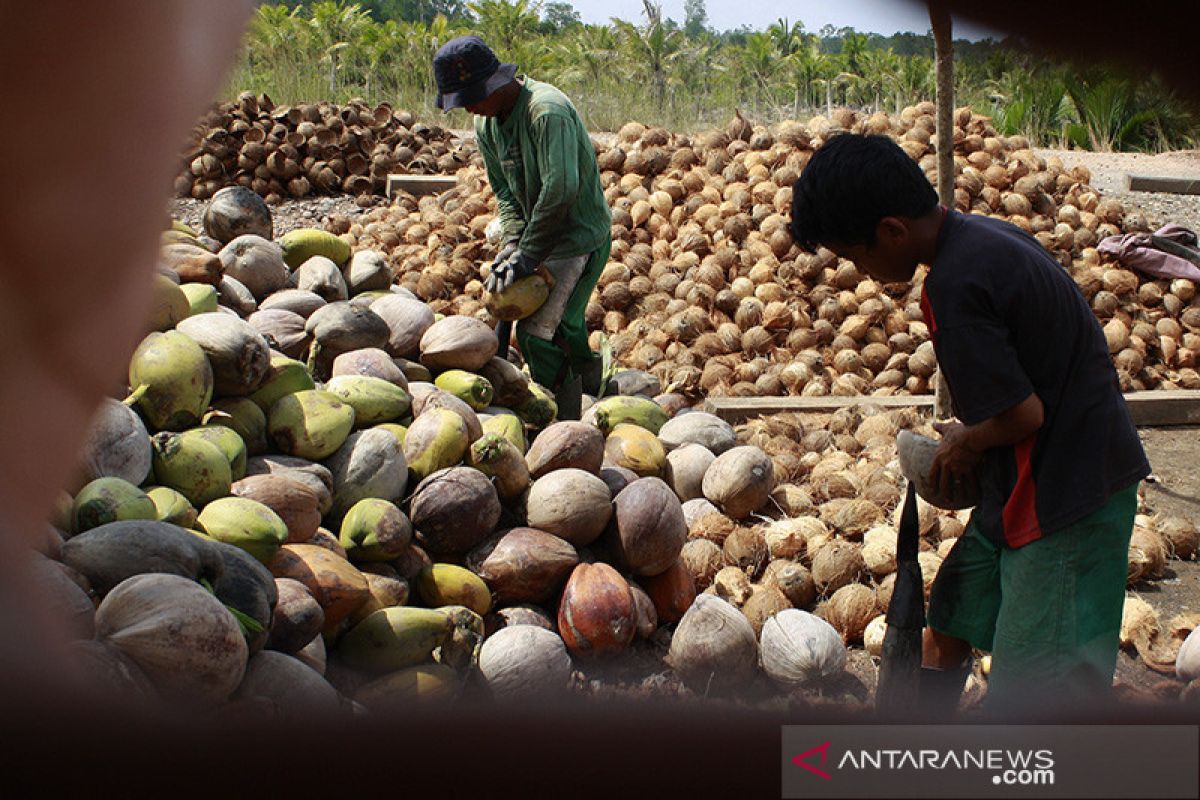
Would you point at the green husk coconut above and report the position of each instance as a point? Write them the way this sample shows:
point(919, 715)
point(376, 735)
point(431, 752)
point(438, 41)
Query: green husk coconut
point(499, 459)
point(286, 376)
point(635, 448)
point(509, 426)
point(436, 440)
point(108, 500)
point(171, 506)
point(243, 416)
point(193, 466)
point(375, 530)
point(443, 399)
point(168, 304)
point(452, 585)
point(171, 381)
point(303, 243)
point(393, 638)
point(472, 389)
point(395, 429)
point(310, 424)
point(540, 409)
point(641, 411)
point(244, 523)
point(201, 297)
point(229, 443)
point(374, 400)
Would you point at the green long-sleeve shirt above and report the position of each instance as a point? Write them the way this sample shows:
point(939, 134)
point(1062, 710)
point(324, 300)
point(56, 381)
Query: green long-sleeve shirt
point(542, 167)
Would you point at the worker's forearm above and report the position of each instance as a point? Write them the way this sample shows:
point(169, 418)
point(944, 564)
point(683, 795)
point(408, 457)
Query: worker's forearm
point(1007, 428)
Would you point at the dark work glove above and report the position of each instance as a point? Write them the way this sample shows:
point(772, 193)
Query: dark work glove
point(509, 272)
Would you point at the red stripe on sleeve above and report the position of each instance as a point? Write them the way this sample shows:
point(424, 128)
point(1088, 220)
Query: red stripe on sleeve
point(1020, 512)
point(927, 312)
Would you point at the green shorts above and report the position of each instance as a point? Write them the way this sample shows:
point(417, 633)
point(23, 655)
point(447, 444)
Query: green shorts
point(1049, 612)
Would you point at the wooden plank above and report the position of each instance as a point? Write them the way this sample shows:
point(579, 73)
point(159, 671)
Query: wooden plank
point(420, 184)
point(1149, 409)
point(1157, 183)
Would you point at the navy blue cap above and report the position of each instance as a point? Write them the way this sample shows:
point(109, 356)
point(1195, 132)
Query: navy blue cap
point(467, 71)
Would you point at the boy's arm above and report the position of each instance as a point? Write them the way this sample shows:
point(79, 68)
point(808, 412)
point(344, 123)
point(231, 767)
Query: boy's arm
point(962, 446)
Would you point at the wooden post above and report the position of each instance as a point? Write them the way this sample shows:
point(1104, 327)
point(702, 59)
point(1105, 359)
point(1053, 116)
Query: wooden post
point(939, 17)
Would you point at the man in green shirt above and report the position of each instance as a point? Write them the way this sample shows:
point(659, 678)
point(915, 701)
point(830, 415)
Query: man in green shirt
point(542, 166)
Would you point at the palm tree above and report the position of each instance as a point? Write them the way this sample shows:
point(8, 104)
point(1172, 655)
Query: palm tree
point(504, 25)
point(652, 48)
point(759, 60)
point(336, 27)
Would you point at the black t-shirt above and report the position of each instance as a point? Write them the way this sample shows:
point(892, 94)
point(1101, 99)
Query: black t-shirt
point(1007, 321)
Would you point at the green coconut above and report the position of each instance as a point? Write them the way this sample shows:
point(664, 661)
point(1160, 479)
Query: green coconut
point(109, 500)
point(539, 410)
point(171, 506)
point(168, 304)
point(499, 459)
point(641, 411)
point(286, 376)
point(311, 424)
point(472, 389)
point(437, 439)
point(228, 441)
point(171, 381)
point(243, 416)
point(520, 300)
point(244, 523)
point(510, 427)
point(201, 297)
point(192, 466)
point(394, 638)
point(375, 530)
point(374, 400)
point(304, 243)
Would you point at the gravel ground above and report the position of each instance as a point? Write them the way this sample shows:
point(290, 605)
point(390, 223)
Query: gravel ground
point(311, 212)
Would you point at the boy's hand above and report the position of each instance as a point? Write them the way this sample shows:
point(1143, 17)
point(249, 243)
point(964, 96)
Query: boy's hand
point(953, 468)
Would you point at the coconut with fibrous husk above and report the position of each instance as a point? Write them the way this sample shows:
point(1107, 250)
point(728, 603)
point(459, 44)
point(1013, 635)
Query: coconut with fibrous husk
point(698, 427)
point(511, 386)
point(407, 320)
point(1138, 620)
point(283, 330)
point(1147, 555)
point(438, 398)
point(800, 648)
point(435, 441)
point(315, 477)
point(703, 560)
point(713, 526)
point(645, 616)
point(879, 550)
point(785, 538)
point(596, 615)
point(499, 459)
point(296, 618)
point(238, 354)
point(322, 277)
point(793, 579)
point(856, 516)
point(171, 381)
point(731, 584)
point(374, 529)
point(341, 327)
point(874, 635)
point(746, 549)
point(234, 211)
point(369, 463)
point(648, 531)
point(117, 445)
point(298, 301)
point(454, 510)
point(739, 481)
point(286, 685)
point(458, 342)
point(849, 610)
point(523, 565)
point(570, 503)
point(791, 500)
point(367, 271)
point(635, 448)
point(186, 642)
point(837, 564)
point(525, 661)
point(916, 457)
point(563, 445)
point(764, 603)
point(1181, 536)
point(256, 263)
point(714, 646)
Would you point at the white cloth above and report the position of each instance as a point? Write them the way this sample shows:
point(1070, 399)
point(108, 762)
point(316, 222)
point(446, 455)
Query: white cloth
point(566, 273)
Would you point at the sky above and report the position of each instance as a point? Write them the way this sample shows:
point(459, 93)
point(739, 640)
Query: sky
point(873, 16)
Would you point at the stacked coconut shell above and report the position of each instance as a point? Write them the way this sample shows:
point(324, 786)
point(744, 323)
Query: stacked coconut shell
point(313, 148)
point(705, 289)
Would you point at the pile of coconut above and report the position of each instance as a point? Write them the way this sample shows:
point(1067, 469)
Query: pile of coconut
point(705, 289)
point(312, 148)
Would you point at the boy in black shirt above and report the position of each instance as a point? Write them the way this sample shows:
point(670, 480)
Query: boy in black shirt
point(1038, 578)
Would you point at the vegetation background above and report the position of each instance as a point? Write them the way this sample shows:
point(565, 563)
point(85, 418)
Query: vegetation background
point(687, 76)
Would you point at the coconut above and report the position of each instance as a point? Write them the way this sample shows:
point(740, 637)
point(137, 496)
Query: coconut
point(1139, 621)
point(1181, 536)
point(454, 510)
point(523, 565)
point(314, 476)
point(322, 277)
point(1187, 663)
point(566, 445)
point(714, 646)
point(185, 641)
point(425, 684)
point(256, 263)
point(286, 376)
point(246, 587)
point(916, 458)
point(837, 564)
point(286, 685)
point(407, 320)
point(649, 530)
point(739, 481)
point(369, 463)
point(393, 638)
point(108, 554)
point(336, 585)
point(636, 449)
point(302, 244)
point(311, 424)
point(171, 506)
point(510, 386)
point(384, 591)
point(571, 504)
point(367, 271)
point(192, 263)
point(234, 211)
point(370, 362)
point(693, 510)
point(341, 327)
point(194, 467)
point(645, 617)
point(703, 560)
point(746, 549)
point(436, 440)
point(764, 603)
point(67, 602)
point(732, 584)
point(296, 503)
point(685, 469)
point(107, 500)
point(201, 297)
point(525, 661)
point(794, 580)
point(606, 414)
point(244, 523)
point(512, 616)
point(472, 389)
point(111, 673)
point(442, 399)
point(671, 592)
point(296, 619)
point(298, 301)
point(854, 517)
point(800, 648)
point(499, 459)
point(519, 300)
point(1147, 555)
point(596, 615)
point(232, 294)
point(243, 416)
point(117, 445)
point(239, 355)
point(226, 440)
point(698, 427)
point(172, 381)
point(452, 585)
point(282, 330)
point(849, 610)
point(879, 550)
point(458, 342)
point(169, 304)
point(374, 529)
point(786, 538)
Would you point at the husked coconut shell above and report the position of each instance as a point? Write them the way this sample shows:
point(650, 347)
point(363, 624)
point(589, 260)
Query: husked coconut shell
point(849, 610)
point(296, 619)
point(407, 320)
point(239, 355)
point(298, 301)
point(685, 470)
point(837, 564)
point(596, 615)
point(649, 530)
point(746, 549)
point(525, 661)
point(739, 481)
point(458, 342)
point(454, 510)
point(117, 445)
point(183, 638)
point(698, 427)
point(571, 504)
point(697, 508)
point(523, 565)
point(714, 646)
point(800, 648)
point(794, 580)
point(563, 445)
point(1181, 536)
point(732, 584)
point(916, 458)
point(283, 330)
point(256, 263)
point(1147, 555)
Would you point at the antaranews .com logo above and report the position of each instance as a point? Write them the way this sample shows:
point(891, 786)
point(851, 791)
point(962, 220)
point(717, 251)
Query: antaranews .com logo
point(984, 761)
